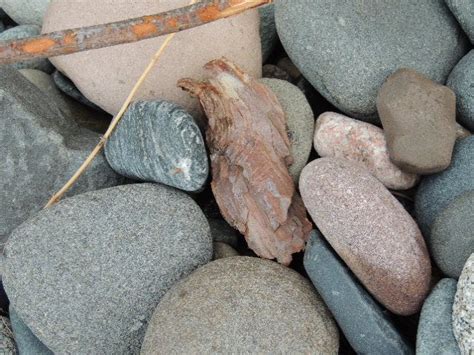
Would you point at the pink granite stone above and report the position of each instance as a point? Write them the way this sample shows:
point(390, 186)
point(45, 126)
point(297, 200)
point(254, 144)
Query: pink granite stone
point(370, 230)
point(339, 136)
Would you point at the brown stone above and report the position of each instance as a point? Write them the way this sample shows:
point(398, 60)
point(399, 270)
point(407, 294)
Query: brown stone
point(370, 230)
point(419, 119)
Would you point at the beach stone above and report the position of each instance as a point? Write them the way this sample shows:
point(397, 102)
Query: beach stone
point(19, 32)
point(367, 328)
point(419, 120)
point(107, 257)
point(159, 141)
point(463, 309)
point(241, 305)
point(346, 49)
point(41, 149)
point(25, 12)
point(461, 81)
point(222, 250)
point(222, 232)
point(374, 234)
point(463, 10)
point(452, 236)
point(342, 137)
point(435, 330)
point(7, 343)
point(268, 33)
point(437, 191)
point(288, 66)
point(461, 132)
point(300, 121)
point(273, 72)
point(26, 342)
point(106, 76)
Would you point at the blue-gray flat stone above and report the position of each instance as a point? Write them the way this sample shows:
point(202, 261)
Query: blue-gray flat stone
point(26, 342)
point(463, 10)
point(159, 141)
point(435, 331)
point(366, 327)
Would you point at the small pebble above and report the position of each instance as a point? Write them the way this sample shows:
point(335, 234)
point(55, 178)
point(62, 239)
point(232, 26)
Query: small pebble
point(222, 232)
point(222, 250)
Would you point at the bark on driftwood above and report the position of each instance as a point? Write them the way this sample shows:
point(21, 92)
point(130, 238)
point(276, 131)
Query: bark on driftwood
point(250, 155)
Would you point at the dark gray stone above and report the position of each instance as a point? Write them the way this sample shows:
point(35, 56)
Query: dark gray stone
point(461, 81)
point(452, 235)
point(346, 49)
point(24, 31)
point(366, 327)
point(222, 232)
point(86, 274)
point(268, 32)
point(159, 141)
point(463, 10)
point(435, 331)
point(436, 191)
point(26, 342)
point(41, 148)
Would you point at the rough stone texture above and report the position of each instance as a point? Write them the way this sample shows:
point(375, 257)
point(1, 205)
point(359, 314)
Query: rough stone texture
point(222, 250)
point(24, 31)
point(26, 342)
point(106, 76)
point(367, 328)
point(346, 49)
point(300, 121)
point(86, 274)
point(159, 141)
point(435, 330)
point(463, 309)
point(273, 72)
point(436, 191)
point(40, 148)
point(222, 232)
point(242, 305)
point(463, 10)
point(7, 344)
point(452, 236)
point(370, 230)
point(461, 80)
point(268, 33)
point(25, 12)
point(419, 120)
point(343, 137)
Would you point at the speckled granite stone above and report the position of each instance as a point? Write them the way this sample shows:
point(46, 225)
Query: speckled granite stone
point(463, 10)
point(26, 342)
point(339, 136)
point(370, 230)
point(7, 343)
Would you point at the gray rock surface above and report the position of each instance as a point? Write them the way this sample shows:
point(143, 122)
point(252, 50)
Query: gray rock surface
point(461, 80)
point(7, 343)
point(26, 342)
point(242, 305)
point(86, 274)
point(223, 250)
point(25, 12)
point(268, 33)
point(452, 236)
point(40, 148)
point(222, 232)
point(346, 49)
point(367, 328)
point(435, 330)
point(463, 10)
point(24, 31)
point(300, 121)
point(159, 141)
point(436, 191)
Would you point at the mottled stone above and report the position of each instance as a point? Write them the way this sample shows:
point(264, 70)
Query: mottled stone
point(436, 191)
point(288, 66)
point(222, 232)
point(346, 49)
point(25, 12)
point(343, 137)
point(106, 76)
point(419, 120)
point(222, 250)
point(370, 230)
point(7, 343)
point(26, 342)
point(451, 240)
point(159, 141)
point(268, 33)
point(24, 31)
point(463, 309)
point(364, 324)
point(461, 80)
point(86, 274)
point(273, 72)
point(241, 305)
point(41, 148)
point(463, 10)
point(300, 121)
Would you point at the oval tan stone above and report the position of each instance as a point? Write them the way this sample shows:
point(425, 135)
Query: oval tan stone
point(370, 230)
point(106, 76)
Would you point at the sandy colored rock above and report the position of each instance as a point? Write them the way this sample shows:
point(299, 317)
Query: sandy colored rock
point(106, 76)
point(339, 136)
point(223, 250)
point(419, 120)
point(370, 230)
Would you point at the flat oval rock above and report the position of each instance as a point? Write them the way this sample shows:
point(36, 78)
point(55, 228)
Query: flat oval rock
point(370, 230)
point(159, 141)
point(86, 274)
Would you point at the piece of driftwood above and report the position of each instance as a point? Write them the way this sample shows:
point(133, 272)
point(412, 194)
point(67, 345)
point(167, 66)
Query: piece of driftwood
point(250, 154)
point(127, 31)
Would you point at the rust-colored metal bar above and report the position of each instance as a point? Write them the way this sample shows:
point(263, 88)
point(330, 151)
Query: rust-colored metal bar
point(127, 31)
